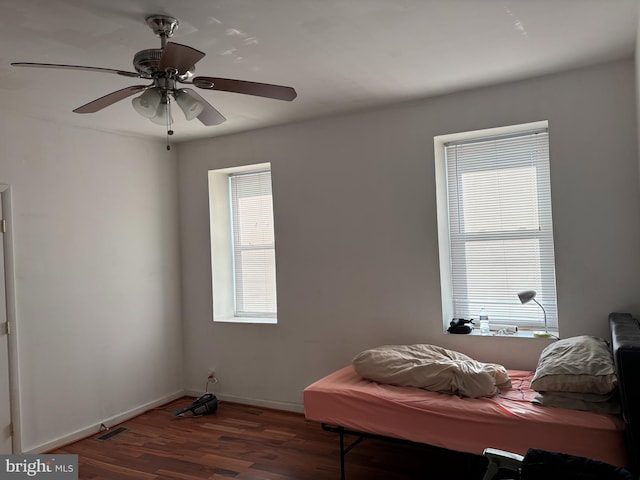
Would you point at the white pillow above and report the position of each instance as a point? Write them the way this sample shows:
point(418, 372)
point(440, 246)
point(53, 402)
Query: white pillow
point(580, 364)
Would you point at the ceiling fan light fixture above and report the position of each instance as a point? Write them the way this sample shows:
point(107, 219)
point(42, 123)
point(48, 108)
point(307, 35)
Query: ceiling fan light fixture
point(189, 106)
point(147, 104)
point(160, 117)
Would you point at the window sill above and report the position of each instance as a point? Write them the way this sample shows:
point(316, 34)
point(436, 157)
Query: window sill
point(248, 320)
point(519, 334)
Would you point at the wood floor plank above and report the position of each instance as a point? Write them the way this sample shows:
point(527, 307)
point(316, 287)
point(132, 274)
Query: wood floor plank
point(249, 443)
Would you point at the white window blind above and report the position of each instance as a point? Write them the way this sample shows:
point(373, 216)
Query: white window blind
point(500, 228)
point(253, 244)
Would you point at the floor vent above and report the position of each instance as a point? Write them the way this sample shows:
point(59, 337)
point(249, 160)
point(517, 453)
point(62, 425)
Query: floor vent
point(112, 433)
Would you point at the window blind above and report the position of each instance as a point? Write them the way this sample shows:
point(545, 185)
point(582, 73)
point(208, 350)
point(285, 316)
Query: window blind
point(253, 244)
point(500, 228)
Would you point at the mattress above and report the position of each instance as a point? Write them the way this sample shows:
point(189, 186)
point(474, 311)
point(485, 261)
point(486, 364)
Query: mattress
point(508, 421)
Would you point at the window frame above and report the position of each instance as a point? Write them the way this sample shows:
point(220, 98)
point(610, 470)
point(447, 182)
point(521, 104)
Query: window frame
point(221, 241)
point(447, 239)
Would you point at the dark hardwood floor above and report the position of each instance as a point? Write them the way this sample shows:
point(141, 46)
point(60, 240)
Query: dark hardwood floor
point(249, 443)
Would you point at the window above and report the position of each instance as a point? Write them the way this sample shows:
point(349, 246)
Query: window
point(253, 244)
point(243, 257)
point(495, 225)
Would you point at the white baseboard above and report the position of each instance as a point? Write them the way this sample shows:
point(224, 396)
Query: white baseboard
point(255, 402)
point(95, 428)
point(134, 412)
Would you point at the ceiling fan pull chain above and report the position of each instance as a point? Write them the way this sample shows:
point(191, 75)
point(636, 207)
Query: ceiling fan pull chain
point(168, 120)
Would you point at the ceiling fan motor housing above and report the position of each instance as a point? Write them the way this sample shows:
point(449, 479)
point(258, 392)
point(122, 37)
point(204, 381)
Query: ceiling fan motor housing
point(146, 61)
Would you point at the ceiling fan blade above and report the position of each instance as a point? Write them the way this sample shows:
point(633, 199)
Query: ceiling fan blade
point(267, 90)
point(181, 57)
point(75, 67)
point(109, 99)
point(209, 115)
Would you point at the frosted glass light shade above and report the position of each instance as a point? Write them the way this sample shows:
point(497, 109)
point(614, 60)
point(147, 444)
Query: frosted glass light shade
point(161, 115)
point(147, 103)
point(189, 105)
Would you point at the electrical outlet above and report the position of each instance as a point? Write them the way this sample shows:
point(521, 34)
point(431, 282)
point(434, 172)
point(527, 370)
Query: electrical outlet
point(211, 378)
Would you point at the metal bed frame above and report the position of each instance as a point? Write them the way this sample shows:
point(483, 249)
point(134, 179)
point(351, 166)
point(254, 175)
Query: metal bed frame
point(344, 448)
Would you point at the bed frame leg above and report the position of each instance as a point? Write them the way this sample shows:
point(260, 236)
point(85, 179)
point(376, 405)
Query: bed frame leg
point(343, 450)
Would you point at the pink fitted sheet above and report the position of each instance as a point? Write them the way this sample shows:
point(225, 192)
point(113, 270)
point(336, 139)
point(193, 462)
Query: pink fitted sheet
point(508, 421)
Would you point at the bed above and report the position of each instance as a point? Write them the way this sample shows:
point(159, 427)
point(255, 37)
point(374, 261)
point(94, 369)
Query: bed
point(345, 403)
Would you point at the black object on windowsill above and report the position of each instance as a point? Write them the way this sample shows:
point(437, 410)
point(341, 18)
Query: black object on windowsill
point(459, 325)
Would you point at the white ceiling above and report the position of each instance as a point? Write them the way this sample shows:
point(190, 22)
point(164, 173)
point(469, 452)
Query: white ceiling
point(339, 55)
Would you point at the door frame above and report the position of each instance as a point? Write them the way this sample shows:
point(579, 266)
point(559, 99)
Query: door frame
point(10, 287)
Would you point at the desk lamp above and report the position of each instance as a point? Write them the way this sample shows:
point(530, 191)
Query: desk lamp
point(526, 297)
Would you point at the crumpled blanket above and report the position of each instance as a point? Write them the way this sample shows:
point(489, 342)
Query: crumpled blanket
point(433, 368)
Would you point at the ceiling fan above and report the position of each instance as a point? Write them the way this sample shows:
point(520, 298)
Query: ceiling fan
point(167, 67)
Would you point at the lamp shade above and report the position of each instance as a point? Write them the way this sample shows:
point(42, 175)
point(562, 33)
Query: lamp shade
point(161, 114)
point(527, 296)
point(147, 103)
point(189, 105)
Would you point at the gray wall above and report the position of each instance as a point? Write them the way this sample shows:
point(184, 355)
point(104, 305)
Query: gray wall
point(97, 276)
point(355, 220)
